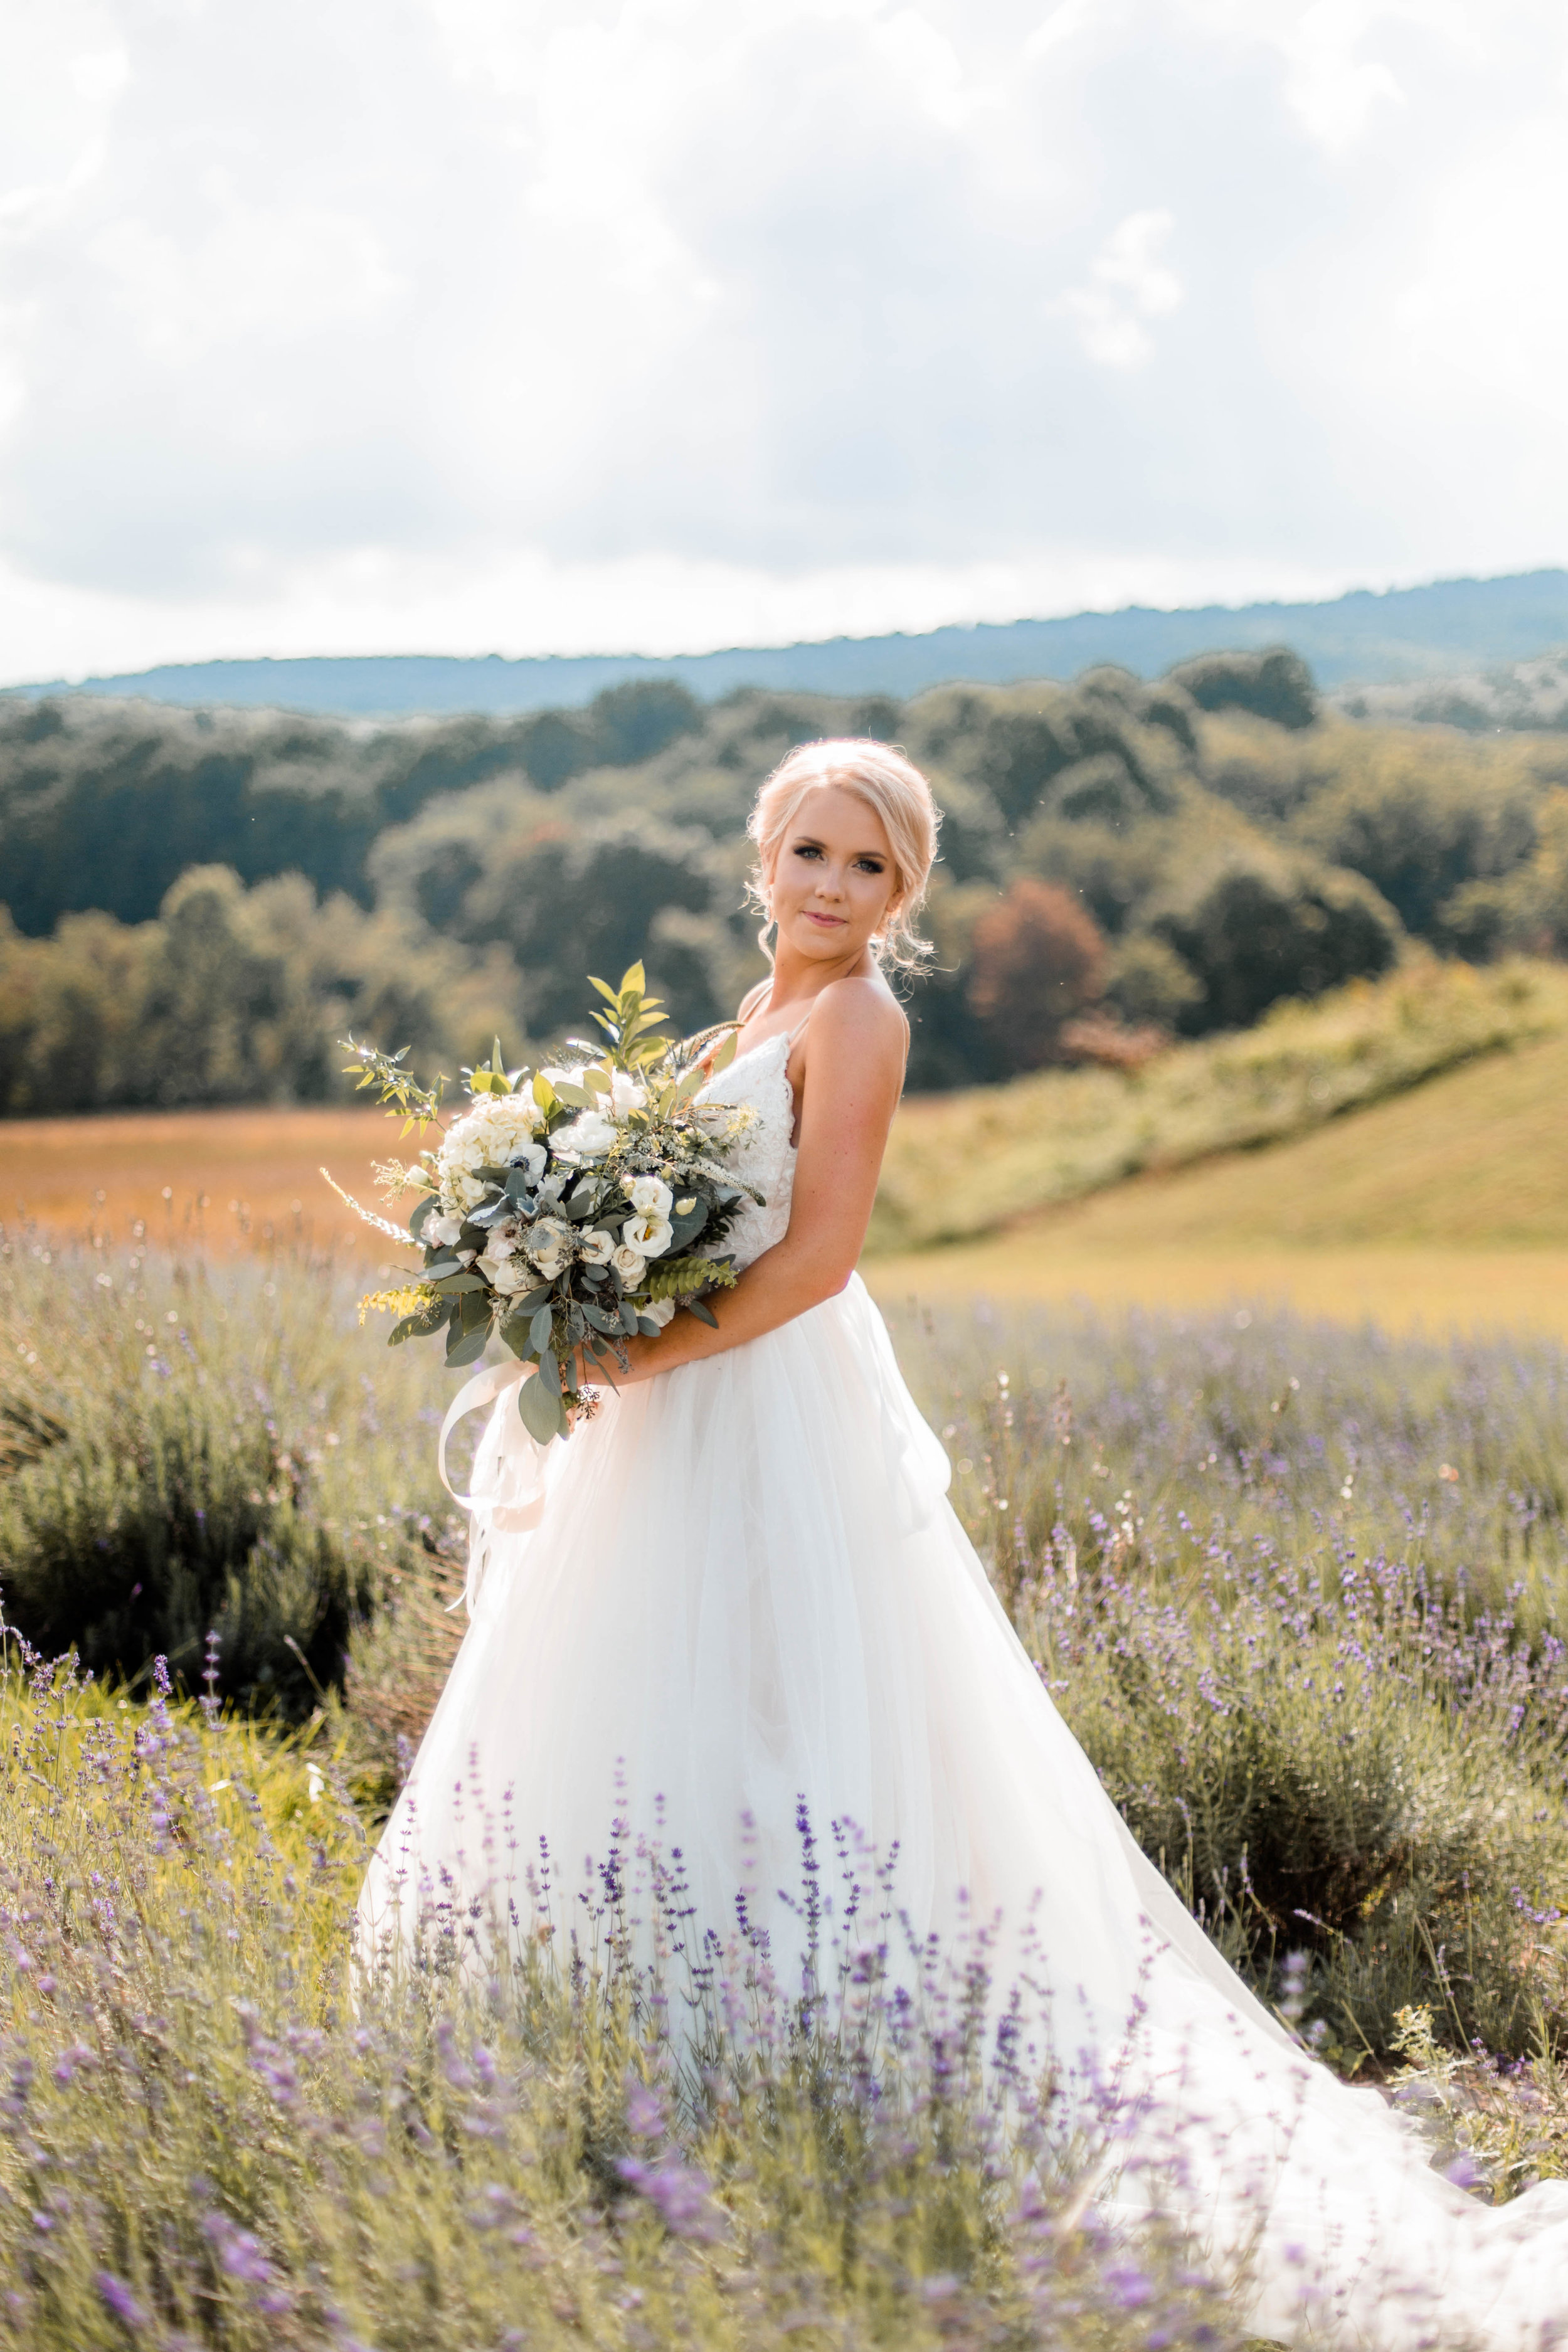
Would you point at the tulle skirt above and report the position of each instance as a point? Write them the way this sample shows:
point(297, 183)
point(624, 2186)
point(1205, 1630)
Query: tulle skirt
point(740, 1599)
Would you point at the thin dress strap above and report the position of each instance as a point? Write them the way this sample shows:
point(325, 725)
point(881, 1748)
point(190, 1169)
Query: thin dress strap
point(796, 1033)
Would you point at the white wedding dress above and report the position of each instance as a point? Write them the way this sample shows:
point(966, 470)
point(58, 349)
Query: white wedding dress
point(742, 1587)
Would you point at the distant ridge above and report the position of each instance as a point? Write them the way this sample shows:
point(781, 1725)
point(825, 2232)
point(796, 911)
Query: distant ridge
point(1365, 637)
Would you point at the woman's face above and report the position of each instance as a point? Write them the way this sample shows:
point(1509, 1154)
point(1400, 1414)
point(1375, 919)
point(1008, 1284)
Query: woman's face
point(834, 878)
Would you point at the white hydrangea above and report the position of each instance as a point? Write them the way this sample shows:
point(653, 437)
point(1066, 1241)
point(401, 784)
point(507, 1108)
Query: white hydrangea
point(498, 1132)
point(589, 1136)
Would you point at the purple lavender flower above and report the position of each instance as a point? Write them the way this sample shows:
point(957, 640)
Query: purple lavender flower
point(120, 2300)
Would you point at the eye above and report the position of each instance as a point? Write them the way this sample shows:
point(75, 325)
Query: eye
point(871, 865)
point(806, 849)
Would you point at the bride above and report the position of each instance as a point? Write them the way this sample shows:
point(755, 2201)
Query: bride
point(740, 1589)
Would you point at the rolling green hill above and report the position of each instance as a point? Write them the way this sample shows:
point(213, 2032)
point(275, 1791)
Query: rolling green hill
point(965, 1165)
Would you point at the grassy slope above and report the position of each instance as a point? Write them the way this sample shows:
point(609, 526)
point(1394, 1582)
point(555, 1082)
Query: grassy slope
point(1447, 1204)
point(962, 1165)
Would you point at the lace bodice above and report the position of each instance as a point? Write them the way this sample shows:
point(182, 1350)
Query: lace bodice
point(764, 1159)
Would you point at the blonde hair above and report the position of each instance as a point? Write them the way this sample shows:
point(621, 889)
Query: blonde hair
point(878, 774)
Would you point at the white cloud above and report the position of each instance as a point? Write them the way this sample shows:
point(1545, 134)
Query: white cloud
point(488, 322)
point(1128, 284)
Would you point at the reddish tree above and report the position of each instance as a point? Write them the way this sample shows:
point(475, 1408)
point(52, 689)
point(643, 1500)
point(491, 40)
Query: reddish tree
point(1039, 958)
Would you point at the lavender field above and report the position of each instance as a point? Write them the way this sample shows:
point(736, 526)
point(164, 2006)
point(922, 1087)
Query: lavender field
point(1297, 1590)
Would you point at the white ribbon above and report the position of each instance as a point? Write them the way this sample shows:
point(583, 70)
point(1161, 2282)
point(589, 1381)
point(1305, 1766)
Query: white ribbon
point(506, 1494)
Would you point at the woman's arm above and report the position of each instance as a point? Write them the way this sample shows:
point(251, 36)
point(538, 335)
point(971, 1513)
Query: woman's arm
point(854, 1075)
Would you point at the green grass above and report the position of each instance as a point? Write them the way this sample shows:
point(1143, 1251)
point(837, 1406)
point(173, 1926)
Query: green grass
point(962, 1165)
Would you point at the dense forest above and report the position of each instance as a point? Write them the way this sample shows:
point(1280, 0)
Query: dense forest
point(198, 905)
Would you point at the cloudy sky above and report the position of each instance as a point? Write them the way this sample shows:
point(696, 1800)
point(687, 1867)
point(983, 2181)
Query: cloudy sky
point(336, 326)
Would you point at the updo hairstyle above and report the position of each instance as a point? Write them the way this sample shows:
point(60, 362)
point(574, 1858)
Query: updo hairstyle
point(881, 776)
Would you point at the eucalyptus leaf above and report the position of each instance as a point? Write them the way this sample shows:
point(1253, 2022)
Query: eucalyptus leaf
point(454, 1286)
point(474, 1311)
point(540, 1409)
point(424, 1209)
point(515, 1333)
point(421, 1324)
point(539, 1330)
point(703, 1312)
point(465, 1347)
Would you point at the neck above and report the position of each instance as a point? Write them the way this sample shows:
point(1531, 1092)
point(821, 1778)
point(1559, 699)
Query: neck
point(796, 975)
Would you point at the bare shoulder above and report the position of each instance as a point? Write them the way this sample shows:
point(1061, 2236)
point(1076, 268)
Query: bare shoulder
point(860, 1016)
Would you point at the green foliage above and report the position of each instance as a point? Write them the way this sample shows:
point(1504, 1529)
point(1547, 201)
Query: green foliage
point(224, 894)
point(1301, 1594)
point(1275, 684)
point(1419, 829)
point(211, 1459)
point(1256, 928)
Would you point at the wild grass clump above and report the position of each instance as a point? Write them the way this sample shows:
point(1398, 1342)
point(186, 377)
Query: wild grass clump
point(1301, 1594)
point(189, 1446)
point(203, 2142)
point(962, 1164)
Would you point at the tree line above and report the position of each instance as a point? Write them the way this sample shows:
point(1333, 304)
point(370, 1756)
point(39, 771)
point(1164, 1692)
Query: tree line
point(200, 904)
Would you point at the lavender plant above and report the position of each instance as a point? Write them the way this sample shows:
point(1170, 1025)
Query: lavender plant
point(189, 1445)
point(1298, 1592)
point(204, 2142)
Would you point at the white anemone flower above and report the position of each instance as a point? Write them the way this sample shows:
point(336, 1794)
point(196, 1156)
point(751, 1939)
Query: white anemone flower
point(649, 1196)
point(650, 1236)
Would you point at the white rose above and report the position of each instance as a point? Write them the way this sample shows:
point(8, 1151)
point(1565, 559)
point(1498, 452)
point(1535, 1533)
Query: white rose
point(649, 1197)
point(630, 1265)
point(658, 1310)
point(443, 1231)
point(589, 1136)
point(626, 1094)
point(597, 1247)
point(504, 1275)
point(650, 1236)
point(549, 1244)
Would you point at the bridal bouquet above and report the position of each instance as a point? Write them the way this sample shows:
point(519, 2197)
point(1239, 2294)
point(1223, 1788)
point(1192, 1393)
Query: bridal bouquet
point(564, 1209)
